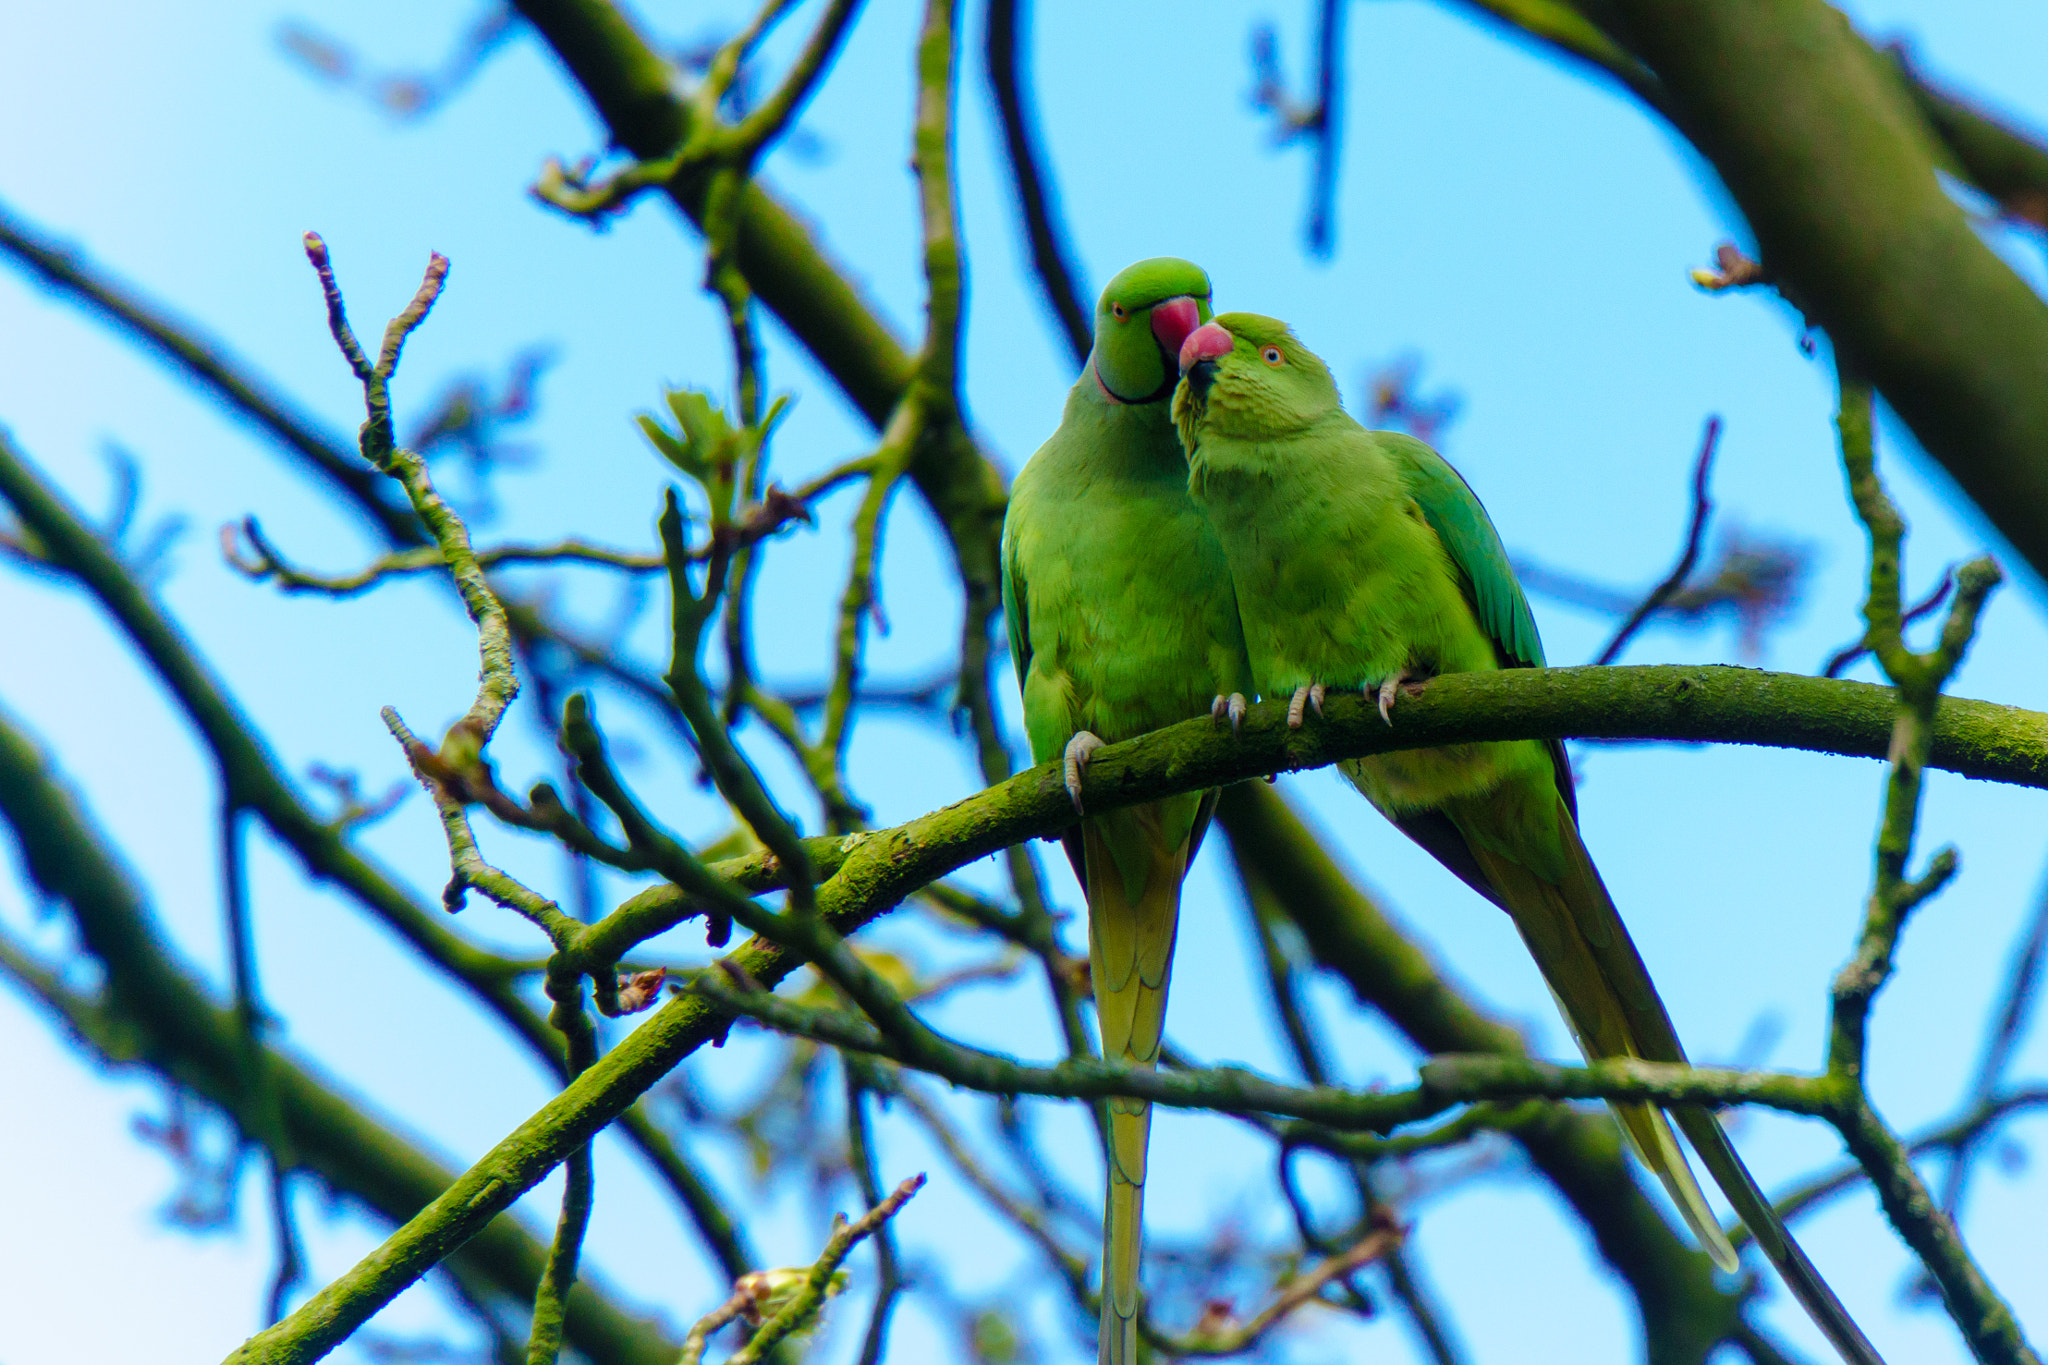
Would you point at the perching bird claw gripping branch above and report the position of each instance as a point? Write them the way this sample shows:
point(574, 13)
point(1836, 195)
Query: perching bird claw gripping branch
point(1683, 703)
point(1667, 702)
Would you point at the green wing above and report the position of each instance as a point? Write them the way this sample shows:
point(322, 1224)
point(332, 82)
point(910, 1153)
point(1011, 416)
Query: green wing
point(1013, 614)
point(1454, 512)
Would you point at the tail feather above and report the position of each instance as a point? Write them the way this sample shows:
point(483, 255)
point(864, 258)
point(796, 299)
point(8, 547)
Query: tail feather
point(1602, 1022)
point(1134, 860)
point(1754, 1208)
point(1123, 1240)
point(1606, 995)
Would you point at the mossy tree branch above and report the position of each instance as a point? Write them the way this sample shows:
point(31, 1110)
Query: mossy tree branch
point(880, 869)
point(1833, 163)
point(1988, 1323)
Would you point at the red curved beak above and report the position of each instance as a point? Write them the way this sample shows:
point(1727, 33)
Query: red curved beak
point(1207, 342)
point(1172, 320)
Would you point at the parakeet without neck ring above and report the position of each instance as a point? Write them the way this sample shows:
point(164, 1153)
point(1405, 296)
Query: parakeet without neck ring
point(1121, 620)
point(1361, 559)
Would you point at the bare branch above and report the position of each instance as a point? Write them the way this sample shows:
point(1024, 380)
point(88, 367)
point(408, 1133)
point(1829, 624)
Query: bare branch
point(1005, 38)
point(1702, 507)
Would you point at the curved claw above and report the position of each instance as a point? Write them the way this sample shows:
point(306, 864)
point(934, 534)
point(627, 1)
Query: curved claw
point(1235, 709)
point(1218, 707)
point(1388, 690)
point(1074, 762)
point(1296, 706)
point(1315, 698)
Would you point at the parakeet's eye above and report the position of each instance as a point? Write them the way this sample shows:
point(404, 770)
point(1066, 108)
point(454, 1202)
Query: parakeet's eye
point(1118, 311)
point(1271, 355)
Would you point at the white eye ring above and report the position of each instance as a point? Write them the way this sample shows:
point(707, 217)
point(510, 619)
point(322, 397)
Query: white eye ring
point(1271, 355)
point(1117, 311)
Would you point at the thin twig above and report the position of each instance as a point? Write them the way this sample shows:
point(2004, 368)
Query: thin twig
point(2008, 1025)
point(737, 781)
point(1235, 1338)
point(1446, 1081)
point(263, 562)
point(468, 868)
point(1071, 1267)
point(1318, 120)
point(551, 1298)
point(499, 681)
point(1329, 130)
point(1426, 1316)
point(1839, 661)
point(1975, 1126)
point(257, 1077)
point(1985, 1319)
point(709, 148)
point(1702, 507)
point(818, 1281)
point(861, 1157)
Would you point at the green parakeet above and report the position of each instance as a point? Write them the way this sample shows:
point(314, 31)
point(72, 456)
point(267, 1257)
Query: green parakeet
point(1122, 620)
point(1362, 559)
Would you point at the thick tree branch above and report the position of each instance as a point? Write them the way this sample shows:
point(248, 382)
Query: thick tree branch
point(1998, 157)
point(1993, 155)
point(881, 868)
point(1832, 162)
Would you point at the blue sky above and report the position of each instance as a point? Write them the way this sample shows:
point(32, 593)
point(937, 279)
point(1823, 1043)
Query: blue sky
point(1522, 227)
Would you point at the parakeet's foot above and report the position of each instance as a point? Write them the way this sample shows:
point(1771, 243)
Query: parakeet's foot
point(1074, 762)
point(1305, 696)
point(1404, 681)
point(1231, 707)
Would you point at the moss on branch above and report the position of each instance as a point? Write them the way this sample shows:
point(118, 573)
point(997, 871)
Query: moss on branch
point(880, 869)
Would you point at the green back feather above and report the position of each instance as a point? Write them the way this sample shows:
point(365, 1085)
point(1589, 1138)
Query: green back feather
point(1454, 512)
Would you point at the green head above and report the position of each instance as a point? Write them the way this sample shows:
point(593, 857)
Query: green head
point(1248, 376)
point(1146, 312)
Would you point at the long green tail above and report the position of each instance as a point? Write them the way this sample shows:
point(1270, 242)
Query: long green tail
point(1134, 868)
point(1605, 993)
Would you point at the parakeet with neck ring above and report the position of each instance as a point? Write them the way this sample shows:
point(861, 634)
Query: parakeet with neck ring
point(1122, 620)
